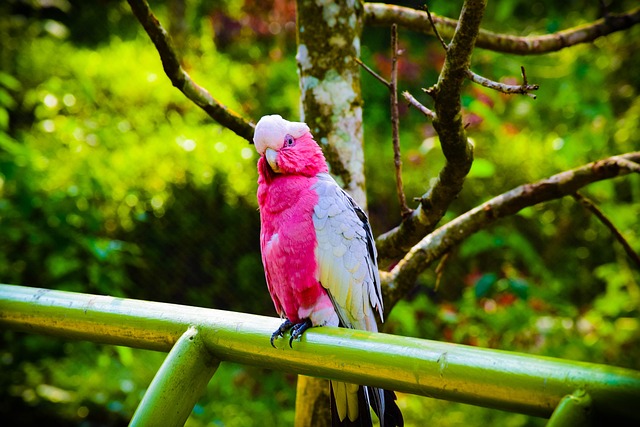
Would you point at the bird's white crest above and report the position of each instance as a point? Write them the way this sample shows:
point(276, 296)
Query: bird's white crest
point(271, 130)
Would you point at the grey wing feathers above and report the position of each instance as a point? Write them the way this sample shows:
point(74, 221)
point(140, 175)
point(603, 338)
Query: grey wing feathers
point(347, 257)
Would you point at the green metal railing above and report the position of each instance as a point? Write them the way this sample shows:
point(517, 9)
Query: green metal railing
point(198, 339)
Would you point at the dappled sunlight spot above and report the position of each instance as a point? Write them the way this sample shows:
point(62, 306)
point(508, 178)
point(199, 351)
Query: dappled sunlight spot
point(246, 153)
point(91, 139)
point(207, 177)
point(275, 27)
point(522, 109)
point(69, 100)
point(124, 126)
point(490, 305)
point(131, 200)
point(48, 125)
point(157, 202)
point(582, 252)
point(29, 395)
point(544, 324)
point(127, 385)
point(56, 29)
point(82, 412)
point(220, 147)
point(186, 143)
point(78, 134)
point(54, 394)
point(557, 143)
point(50, 100)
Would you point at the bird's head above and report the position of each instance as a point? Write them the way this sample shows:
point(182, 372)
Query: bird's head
point(287, 148)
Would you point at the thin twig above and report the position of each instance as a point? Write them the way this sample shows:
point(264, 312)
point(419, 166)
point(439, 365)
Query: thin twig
point(435, 29)
point(395, 120)
point(424, 110)
point(440, 269)
point(523, 89)
point(373, 73)
point(181, 79)
point(588, 203)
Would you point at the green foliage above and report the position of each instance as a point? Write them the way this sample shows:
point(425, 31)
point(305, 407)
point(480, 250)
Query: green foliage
point(111, 182)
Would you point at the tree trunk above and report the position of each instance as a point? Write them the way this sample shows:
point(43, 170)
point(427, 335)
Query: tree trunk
point(331, 101)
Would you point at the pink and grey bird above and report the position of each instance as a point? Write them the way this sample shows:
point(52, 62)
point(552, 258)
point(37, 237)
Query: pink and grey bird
point(319, 255)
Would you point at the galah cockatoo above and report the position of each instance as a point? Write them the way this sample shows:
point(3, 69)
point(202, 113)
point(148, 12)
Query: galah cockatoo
point(318, 253)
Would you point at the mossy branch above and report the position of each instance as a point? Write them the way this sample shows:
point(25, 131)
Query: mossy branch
point(447, 121)
point(384, 14)
point(181, 79)
point(402, 277)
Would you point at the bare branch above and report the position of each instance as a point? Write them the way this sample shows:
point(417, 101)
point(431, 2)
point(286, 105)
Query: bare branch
point(384, 14)
point(373, 73)
point(587, 203)
point(181, 80)
point(632, 165)
point(424, 110)
point(458, 151)
point(523, 89)
point(402, 277)
point(435, 29)
point(440, 269)
point(395, 122)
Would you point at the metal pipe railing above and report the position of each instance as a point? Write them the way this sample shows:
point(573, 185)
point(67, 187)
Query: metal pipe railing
point(491, 378)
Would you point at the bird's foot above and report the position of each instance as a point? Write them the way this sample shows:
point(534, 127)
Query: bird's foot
point(286, 325)
point(298, 329)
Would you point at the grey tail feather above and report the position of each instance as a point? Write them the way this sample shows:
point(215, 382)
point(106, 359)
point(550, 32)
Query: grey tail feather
point(392, 416)
point(364, 416)
point(380, 400)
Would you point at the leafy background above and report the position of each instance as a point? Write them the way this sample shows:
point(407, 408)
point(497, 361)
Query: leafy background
point(112, 183)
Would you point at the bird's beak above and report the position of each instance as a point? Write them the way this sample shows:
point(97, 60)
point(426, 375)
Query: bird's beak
point(272, 158)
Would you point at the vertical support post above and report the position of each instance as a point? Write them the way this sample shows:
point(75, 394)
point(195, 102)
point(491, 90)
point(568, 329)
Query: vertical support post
point(178, 385)
point(573, 410)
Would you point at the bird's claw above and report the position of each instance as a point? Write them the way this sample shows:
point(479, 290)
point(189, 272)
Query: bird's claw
point(296, 330)
point(286, 325)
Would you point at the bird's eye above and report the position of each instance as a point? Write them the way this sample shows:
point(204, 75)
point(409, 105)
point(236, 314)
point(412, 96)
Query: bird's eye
point(289, 141)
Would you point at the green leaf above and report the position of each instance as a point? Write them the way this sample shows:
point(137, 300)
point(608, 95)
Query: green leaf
point(519, 287)
point(484, 284)
point(6, 100)
point(8, 81)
